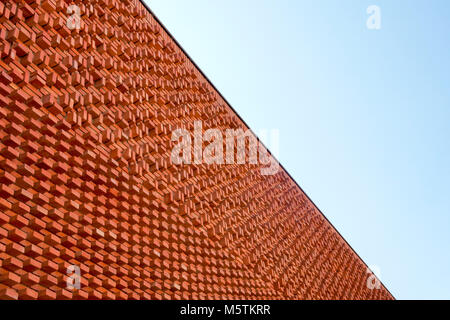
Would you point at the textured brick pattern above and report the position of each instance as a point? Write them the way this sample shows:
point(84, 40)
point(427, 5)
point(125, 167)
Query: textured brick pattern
point(86, 118)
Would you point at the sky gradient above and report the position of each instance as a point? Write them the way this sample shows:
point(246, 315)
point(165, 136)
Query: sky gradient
point(363, 115)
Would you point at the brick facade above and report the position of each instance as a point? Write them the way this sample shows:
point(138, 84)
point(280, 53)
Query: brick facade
point(86, 179)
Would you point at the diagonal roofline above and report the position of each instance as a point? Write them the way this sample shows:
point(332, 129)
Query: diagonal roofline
point(243, 121)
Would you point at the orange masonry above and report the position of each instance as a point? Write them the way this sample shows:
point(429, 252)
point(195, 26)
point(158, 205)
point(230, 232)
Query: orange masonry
point(91, 205)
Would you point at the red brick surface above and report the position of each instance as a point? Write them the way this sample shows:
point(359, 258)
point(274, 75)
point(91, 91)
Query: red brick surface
point(86, 118)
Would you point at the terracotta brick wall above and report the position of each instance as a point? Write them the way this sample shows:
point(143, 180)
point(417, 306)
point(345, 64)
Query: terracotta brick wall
point(86, 117)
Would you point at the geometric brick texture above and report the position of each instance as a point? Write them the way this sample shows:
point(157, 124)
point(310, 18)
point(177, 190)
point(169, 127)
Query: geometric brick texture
point(86, 117)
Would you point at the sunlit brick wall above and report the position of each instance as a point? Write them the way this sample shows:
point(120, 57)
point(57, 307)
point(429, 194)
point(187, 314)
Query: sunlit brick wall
point(87, 182)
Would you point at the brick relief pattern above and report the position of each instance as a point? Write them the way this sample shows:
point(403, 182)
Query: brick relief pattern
point(86, 118)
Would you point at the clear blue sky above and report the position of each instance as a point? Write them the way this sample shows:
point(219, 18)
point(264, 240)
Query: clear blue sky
point(364, 115)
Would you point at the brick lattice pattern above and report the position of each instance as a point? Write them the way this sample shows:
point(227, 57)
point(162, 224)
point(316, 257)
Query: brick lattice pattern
point(86, 117)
